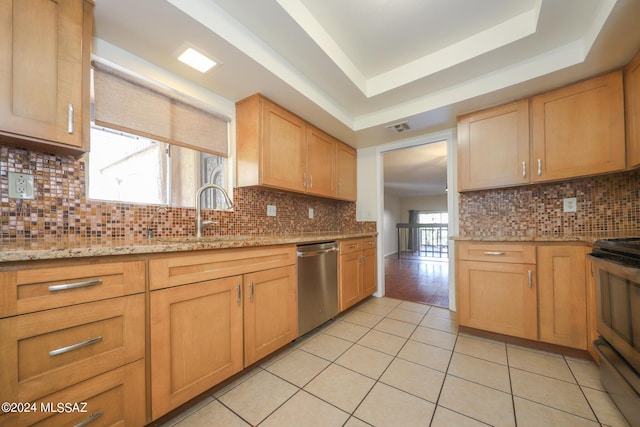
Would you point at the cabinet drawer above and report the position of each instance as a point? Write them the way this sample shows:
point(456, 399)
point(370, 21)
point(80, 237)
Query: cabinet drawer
point(113, 398)
point(352, 245)
point(368, 243)
point(47, 351)
point(191, 268)
point(497, 252)
point(27, 290)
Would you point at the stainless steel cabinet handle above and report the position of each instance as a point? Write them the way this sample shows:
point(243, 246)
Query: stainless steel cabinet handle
point(239, 294)
point(70, 119)
point(539, 167)
point(495, 253)
point(310, 181)
point(530, 273)
point(252, 287)
point(304, 180)
point(75, 346)
point(339, 188)
point(354, 245)
point(524, 169)
point(66, 286)
point(370, 243)
point(92, 418)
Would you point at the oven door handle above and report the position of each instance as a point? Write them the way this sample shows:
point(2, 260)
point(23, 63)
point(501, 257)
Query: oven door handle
point(622, 270)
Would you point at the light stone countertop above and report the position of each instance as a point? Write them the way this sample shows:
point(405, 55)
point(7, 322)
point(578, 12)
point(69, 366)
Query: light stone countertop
point(78, 247)
point(587, 238)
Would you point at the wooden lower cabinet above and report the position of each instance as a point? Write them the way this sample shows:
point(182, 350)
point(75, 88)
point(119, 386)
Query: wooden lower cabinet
point(270, 312)
point(562, 307)
point(357, 273)
point(196, 340)
point(116, 397)
point(206, 331)
point(498, 297)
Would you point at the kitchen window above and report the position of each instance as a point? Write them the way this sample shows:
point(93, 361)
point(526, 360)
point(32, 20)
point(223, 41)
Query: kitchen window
point(150, 145)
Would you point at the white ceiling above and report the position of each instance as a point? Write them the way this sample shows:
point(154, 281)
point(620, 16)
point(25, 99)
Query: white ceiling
point(353, 66)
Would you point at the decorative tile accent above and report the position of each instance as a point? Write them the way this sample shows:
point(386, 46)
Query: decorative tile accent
point(607, 204)
point(61, 208)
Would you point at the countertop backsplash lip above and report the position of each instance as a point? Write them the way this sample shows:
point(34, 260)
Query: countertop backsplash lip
point(49, 249)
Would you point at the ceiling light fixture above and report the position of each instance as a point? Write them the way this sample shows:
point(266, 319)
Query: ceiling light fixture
point(196, 60)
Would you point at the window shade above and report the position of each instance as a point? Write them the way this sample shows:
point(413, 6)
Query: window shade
point(133, 105)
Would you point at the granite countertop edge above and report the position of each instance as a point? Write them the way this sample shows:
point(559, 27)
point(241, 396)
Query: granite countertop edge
point(63, 248)
point(588, 239)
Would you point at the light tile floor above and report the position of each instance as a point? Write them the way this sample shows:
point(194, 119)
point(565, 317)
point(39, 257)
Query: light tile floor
point(388, 362)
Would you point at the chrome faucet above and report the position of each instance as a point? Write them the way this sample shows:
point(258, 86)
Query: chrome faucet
point(201, 225)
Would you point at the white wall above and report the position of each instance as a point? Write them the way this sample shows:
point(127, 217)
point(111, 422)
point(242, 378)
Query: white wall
point(392, 215)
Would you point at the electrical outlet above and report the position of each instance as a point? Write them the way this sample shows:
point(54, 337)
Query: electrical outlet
point(570, 204)
point(271, 210)
point(20, 185)
point(310, 213)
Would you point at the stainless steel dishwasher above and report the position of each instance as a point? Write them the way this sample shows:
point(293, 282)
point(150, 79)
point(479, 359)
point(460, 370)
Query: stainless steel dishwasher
point(317, 284)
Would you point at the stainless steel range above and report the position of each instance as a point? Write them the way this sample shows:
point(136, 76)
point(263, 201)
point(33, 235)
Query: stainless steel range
point(617, 272)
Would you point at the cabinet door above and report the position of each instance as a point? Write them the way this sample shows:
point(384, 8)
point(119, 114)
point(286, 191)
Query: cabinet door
point(493, 147)
point(562, 307)
point(44, 69)
point(579, 130)
point(498, 297)
point(349, 279)
point(321, 163)
point(369, 282)
point(346, 171)
point(270, 312)
point(283, 148)
point(196, 340)
point(632, 110)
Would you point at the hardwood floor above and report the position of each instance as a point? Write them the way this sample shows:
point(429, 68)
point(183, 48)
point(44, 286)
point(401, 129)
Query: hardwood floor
point(417, 280)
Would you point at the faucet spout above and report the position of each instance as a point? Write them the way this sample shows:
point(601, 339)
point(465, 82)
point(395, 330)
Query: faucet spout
point(201, 225)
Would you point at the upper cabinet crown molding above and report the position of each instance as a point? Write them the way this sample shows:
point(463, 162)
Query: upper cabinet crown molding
point(277, 149)
point(44, 74)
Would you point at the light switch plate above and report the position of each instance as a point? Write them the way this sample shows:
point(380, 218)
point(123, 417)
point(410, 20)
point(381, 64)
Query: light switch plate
point(271, 210)
point(570, 204)
point(20, 185)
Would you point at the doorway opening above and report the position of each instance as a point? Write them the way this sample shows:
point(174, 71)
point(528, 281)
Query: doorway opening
point(416, 223)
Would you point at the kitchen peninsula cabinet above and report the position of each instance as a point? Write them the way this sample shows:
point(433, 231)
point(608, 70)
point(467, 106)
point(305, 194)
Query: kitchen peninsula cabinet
point(493, 147)
point(44, 73)
point(562, 306)
point(578, 130)
point(496, 288)
point(277, 149)
point(215, 312)
point(632, 110)
point(74, 332)
point(356, 271)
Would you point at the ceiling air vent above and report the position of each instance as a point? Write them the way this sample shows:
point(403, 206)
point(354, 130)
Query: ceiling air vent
point(399, 127)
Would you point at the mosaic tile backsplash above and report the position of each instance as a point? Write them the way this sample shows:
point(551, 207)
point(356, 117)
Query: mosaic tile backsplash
point(60, 208)
point(607, 204)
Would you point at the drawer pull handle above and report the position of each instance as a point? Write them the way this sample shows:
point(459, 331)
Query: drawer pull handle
point(530, 278)
point(55, 288)
point(355, 245)
point(75, 346)
point(92, 418)
point(495, 253)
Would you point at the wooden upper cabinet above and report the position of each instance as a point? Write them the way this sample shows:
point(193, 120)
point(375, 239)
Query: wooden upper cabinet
point(493, 147)
point(632, 109)
point(277, 149)
point(346, 165)
point(578, 130)
point(44, 73)
point(321, 163)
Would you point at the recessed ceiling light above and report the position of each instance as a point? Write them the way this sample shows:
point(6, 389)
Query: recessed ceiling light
point(196, 60)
